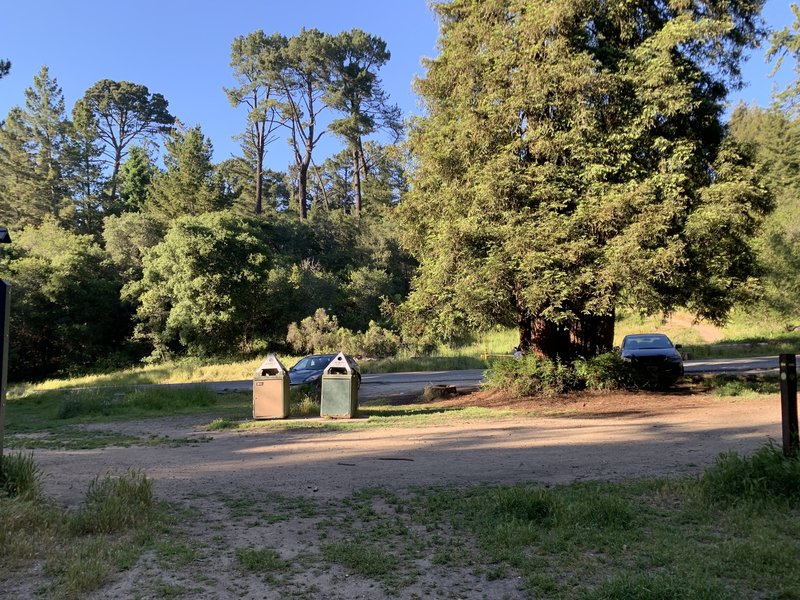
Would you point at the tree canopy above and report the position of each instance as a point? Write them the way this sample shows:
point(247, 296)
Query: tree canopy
point(573, 160)
point(120, 112)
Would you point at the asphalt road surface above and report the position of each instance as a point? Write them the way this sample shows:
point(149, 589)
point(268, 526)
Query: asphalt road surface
point(389, 385)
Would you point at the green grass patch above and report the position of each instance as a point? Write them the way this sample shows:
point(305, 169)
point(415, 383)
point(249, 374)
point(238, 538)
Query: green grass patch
point(765, 477)
point(367, 560)
point(260, 560)
point(19, 476)
point(733, 532)
point(78, 551)
point(38, 411)
point(743, 386)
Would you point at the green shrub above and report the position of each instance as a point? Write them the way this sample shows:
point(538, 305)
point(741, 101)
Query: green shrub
point(607, 372)
point(521, 503)
point(378, 342)
point(767, 475)
point(19, 476)
point(531, 376)
point(115, 503)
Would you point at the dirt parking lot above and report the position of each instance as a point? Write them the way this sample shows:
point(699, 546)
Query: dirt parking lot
point(248, 488)
point(596, 437)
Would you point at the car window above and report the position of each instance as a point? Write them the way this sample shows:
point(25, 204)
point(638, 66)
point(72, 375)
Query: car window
point(655, 342)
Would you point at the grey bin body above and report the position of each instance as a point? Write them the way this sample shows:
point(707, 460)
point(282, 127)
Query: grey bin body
point(339, 397)
point(271, 390)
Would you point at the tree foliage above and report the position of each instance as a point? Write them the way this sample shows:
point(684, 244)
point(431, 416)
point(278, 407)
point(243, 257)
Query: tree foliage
point(573, 161)
point(774, 138)
point(120, 112)
point(188, 186)
point(203, 287)
point(355, 90)
point(34, 161)
point(65, 310)
point(786, 42)
point(252, 57)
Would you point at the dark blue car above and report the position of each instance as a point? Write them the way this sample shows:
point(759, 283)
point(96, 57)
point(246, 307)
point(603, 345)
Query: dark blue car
point(654, 355)
point(308, 370)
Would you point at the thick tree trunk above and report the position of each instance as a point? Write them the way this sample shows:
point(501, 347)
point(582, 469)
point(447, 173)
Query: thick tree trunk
point(549, 340)
point(591, 335)
point(588, 336)
point(544, 339)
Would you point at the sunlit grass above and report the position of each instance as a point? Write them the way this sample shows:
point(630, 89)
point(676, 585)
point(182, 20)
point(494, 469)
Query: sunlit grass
point(183, 371)
point(744, 335)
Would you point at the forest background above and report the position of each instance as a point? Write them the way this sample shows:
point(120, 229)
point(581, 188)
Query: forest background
point(131, 242)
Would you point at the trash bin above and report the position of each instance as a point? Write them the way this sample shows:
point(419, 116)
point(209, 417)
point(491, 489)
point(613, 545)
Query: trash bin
point(339, 397)
point(271, 390)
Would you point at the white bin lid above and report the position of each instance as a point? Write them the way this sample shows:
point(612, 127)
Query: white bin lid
point(339, 362)
point(271, 363)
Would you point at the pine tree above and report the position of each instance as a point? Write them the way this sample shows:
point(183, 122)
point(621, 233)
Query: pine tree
point(188, 186)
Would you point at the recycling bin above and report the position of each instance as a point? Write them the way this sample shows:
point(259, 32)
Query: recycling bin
point(339, 396)
point(271, 390)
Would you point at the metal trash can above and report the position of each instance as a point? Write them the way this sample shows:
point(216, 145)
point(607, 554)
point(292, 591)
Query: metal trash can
point(339, 397)
point(271, 390)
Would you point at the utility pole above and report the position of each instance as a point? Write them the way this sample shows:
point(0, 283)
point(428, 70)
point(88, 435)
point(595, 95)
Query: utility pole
point(5, 312)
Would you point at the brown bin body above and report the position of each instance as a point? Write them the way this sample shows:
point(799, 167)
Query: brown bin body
point(271, 390)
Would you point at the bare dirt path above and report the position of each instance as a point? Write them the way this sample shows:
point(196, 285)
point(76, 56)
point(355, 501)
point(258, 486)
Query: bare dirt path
point(633, 435)
point(247, 490)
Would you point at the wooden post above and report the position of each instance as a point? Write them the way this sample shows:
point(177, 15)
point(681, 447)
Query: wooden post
point(5, 313)
point(791, 438)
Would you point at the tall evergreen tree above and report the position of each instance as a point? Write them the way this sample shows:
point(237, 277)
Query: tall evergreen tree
point(301, 73)
point(573, 161)
point(121, 112)
point(188, 186)
point(85, 168)
point(355, 90)
point(786, 42)
point(5, 68)
point(136, 176)
point(33, 142)
point(252, 57)
point(775, 139)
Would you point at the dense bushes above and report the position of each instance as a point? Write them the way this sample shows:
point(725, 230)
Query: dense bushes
point(322, 333)
point(214, 284)
point(531, 375)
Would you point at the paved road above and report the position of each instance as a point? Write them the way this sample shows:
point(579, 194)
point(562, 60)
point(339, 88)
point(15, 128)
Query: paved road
point(389, 385)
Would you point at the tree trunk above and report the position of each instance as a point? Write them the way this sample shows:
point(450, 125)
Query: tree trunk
point(591, 335)
point(302, 189)
point(549, 340)
point(357, 182)
point(114, 175)
point(260, 143)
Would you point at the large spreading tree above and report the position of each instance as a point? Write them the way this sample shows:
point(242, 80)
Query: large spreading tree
point(573, 161)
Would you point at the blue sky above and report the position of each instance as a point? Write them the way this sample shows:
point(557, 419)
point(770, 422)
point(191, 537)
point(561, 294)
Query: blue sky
point(180, 48)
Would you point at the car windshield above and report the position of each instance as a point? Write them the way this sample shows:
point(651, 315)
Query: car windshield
point(312, 363)
point(650, 342)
